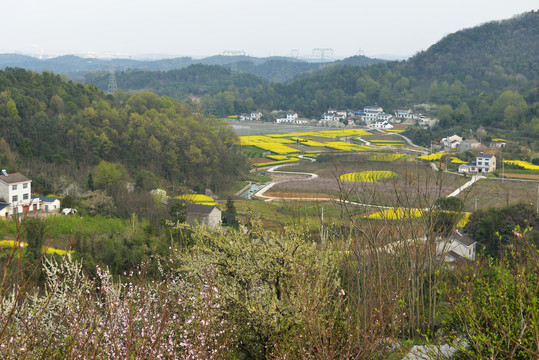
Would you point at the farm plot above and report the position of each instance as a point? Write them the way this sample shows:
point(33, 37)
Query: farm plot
point(414, 184)
point(495, 193)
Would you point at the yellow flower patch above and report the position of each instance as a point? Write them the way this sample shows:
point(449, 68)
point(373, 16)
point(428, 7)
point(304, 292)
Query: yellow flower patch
point(197, 199)
point(12, 243)
point(368, 176)
point(385, 157)
point(294, 159)
point(456, 160)
point(394, 130)
point(307, 142)
point(48, 250)
point(333, 134)
point(463, 220)
point(396, 214)
point(277, 157)
point(432, 157)
point(523, 164)
point(339, 145)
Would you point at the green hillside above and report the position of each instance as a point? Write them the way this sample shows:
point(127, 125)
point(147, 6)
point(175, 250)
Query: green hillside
point(45, 119)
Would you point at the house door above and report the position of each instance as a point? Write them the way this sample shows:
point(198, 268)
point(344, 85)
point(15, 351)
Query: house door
point(35, 208)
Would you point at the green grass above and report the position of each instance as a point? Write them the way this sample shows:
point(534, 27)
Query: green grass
point(253, 152)
point(62, 226)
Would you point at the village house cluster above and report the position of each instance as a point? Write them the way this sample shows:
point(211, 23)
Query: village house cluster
point(483, 162)
point(371, 116)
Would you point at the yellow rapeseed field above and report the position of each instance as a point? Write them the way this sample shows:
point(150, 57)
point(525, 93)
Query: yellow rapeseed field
point(197, 199)
point(368, 176)
point(523, 164)
point(339, 145)
point(396, 214)
point(432, 157)
point(293, 159)
point(456, 160)
point(277, 157)
point(386, 157)
point(333, 134)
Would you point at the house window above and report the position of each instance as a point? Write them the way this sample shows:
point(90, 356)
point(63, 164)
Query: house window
point(14, 187)
point(25, 196)
point(25, 186)
point(15, 198)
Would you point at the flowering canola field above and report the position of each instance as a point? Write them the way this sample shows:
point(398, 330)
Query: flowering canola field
point(197, 199)
point(332, 134)
point(432, 157)
point(368, 176)
point(396, 214)
point(386, 157)
point(523, 164)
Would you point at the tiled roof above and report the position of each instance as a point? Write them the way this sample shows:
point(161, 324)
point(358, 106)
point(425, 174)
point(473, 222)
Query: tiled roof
point(463, 239)
point(199, 208)
point(13, 178)
point(47, 198)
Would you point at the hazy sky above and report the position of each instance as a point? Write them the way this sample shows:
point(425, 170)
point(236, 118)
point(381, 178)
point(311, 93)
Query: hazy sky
point(257, 27)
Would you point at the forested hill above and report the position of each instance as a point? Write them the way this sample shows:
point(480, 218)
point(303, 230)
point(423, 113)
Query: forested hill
point(276, 69)
point(195, 80)
point(502, 53)
point(44, 118)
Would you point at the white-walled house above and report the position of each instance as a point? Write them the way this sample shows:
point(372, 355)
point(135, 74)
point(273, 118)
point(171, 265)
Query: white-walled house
point(291, 116)
point(381, 124)
point(457, 246)
point(49, 204)
point(384, 117)
point(371, 113)
point(483, 163)
point(16, 190)
point(452, 142)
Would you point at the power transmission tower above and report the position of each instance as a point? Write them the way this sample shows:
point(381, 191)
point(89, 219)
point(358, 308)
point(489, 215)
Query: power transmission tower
point(322, 53)
point(234, 63)
point(112, 83)
point(294, 53)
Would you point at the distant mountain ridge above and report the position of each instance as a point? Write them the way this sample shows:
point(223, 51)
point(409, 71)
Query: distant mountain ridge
point(277, 68)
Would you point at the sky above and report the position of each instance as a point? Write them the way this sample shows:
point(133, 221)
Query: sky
point(198, 28)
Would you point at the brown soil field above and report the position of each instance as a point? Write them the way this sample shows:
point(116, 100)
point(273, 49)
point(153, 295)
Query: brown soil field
point(523, 176)
point(296, 195)
point(382, 137)
point(259, 160)
point(416, 185)
point(495, 193)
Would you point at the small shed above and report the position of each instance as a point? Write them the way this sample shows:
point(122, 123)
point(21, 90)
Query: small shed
point(49, 203)
point(208, 215)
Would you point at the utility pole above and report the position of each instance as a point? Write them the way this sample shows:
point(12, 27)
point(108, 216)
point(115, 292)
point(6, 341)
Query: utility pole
point(475, 204)
point(322, 227)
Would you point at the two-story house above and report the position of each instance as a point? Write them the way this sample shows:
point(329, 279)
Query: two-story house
point(484, 163)
point(371, 113)
point(16, 190)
